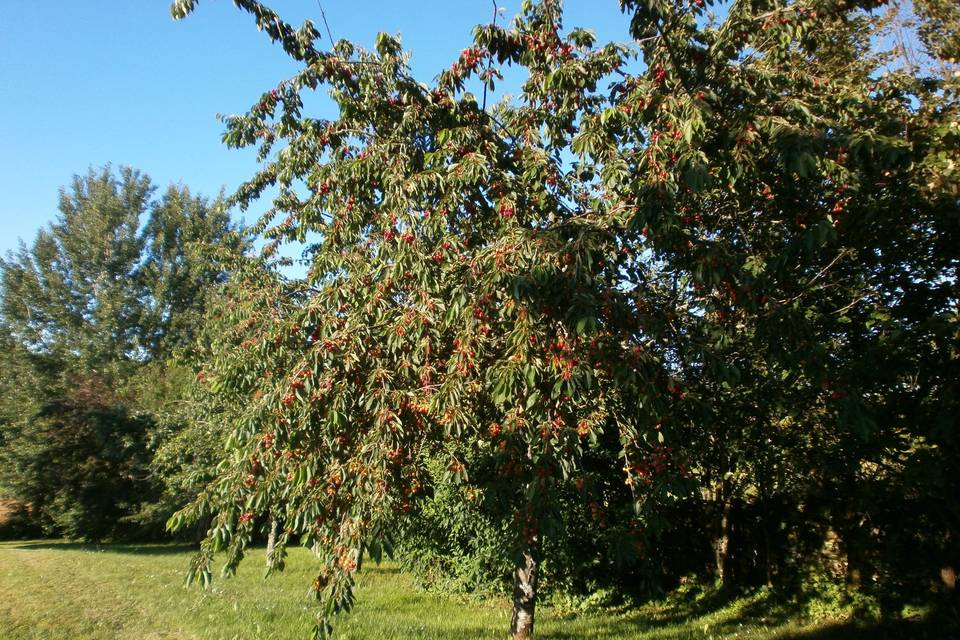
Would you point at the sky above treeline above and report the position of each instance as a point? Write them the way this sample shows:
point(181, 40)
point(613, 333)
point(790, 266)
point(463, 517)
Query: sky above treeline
point(119, 81)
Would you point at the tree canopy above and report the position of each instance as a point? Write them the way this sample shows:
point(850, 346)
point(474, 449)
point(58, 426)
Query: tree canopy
point(714, 266)
point(117, 281)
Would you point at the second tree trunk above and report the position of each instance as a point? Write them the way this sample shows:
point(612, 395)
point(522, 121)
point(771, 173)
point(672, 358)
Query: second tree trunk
point(525, 594)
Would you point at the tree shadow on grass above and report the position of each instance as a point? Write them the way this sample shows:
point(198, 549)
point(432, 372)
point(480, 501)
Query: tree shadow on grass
point(890, 630)
point(727, 615)
point(380, 569)
point(689, 606)
point(932, 629)
point(724, 607)
point(160, 549)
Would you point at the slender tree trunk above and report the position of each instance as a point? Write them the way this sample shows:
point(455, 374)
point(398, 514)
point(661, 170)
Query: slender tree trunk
point(767, 562)
point(272, 540)
point(850, 538)
point(766, 554)
point(767, 565)
point(854, 567)
point(525, 593)
point(721, 546)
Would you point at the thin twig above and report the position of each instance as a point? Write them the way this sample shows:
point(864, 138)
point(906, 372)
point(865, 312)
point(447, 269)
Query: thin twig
point(325, 23)
point(493, 22)
point(812, 280)
point(860, 299)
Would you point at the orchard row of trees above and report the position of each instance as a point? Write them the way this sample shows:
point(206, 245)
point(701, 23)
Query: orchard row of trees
point(682, 306)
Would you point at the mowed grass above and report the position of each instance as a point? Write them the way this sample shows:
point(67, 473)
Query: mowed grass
point(54, 591)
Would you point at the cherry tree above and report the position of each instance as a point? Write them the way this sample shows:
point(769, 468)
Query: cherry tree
point(540, 278)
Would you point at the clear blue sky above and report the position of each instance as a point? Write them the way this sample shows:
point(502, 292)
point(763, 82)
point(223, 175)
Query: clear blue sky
point(87, 82)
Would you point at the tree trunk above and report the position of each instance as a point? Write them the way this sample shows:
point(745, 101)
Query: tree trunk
point(851, 539)
point(525, 593)
point(272, 540)
point(721, 546)
point(854, 568)
point(767, 564)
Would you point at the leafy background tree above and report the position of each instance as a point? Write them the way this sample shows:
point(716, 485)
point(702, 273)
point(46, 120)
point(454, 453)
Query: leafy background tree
point(94, 315)
point(73, 295)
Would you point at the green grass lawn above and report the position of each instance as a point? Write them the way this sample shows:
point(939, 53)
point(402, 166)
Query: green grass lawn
point(52, 591)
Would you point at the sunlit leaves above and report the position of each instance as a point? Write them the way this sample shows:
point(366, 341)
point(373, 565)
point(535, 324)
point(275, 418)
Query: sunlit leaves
point(607, 263)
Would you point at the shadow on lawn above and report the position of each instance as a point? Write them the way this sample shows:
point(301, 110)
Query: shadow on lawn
point(892, 630)
point(157, 549)
point(130, 549)
point(720, 615)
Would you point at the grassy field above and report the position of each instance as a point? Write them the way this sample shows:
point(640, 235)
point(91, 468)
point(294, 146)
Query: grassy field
point(54, 591)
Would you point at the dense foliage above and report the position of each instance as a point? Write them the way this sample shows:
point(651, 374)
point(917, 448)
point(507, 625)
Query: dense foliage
point(710, 274)
point(92, 314)
point(684, 308)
